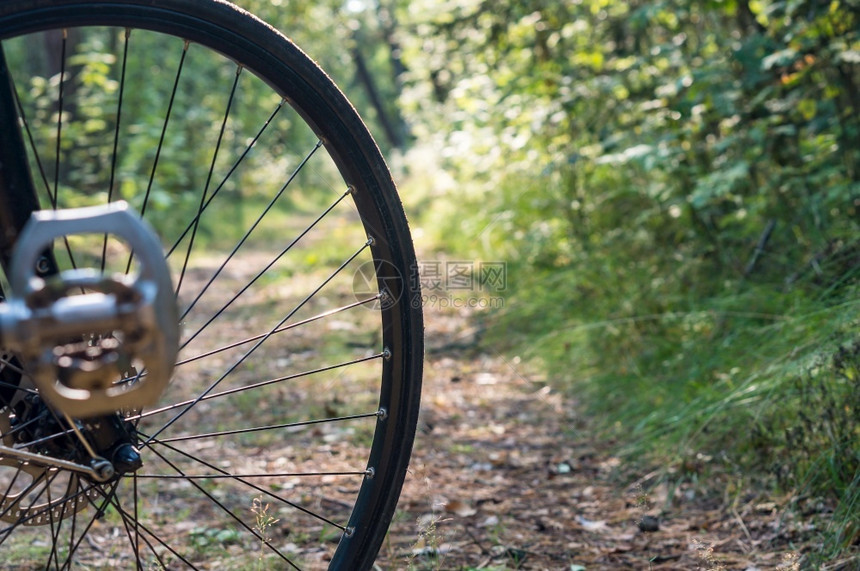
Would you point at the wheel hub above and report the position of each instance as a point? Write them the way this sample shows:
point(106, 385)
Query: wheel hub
point(39, 494)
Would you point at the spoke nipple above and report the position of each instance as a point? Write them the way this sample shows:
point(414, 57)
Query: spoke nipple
point(385, 299)
point(350, 189)
point(370, 473)
point(386, 353)
point(371, 240)
point(382, 414)
point(349, 531)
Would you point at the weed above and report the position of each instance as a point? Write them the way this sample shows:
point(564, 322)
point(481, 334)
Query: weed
point(427, 545)
point(790, 562)
point(707, 556)
point(263, 521)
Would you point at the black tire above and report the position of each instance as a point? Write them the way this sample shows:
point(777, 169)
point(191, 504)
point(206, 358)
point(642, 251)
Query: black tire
point(352, 356)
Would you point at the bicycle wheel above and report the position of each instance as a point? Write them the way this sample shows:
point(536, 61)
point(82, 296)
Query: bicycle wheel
point(284, 437)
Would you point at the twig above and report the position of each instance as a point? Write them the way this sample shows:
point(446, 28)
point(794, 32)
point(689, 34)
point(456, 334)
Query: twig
point(760, 246)
point(484, 551)
point(638, 483)
point(743, 526)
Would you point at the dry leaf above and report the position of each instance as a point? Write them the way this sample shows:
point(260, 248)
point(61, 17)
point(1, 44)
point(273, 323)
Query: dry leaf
point(590, 525)
point(462, 509)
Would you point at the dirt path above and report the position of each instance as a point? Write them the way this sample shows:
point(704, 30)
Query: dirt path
point(505, 476)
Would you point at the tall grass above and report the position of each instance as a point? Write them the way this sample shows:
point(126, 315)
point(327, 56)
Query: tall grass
point(763, 382)
point(679, 360)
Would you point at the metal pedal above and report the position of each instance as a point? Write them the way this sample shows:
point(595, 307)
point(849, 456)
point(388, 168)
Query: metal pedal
point(80, 332)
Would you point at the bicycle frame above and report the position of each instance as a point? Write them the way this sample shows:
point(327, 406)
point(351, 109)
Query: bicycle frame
point(16, 184)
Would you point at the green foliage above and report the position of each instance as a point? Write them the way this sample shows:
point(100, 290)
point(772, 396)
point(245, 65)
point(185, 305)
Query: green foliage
point(162, 160)
point(675, 186)
point(337, 34)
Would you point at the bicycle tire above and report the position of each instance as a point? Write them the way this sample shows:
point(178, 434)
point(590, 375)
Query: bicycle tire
point(249, 44)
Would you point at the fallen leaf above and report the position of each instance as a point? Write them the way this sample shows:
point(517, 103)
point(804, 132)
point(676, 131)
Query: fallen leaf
point(462, 509)
point(590, 525)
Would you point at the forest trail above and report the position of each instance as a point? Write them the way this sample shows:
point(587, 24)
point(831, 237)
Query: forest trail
point(505, 476)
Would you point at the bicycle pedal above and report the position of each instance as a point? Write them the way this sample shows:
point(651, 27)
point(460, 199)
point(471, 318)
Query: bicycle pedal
point(80, 331)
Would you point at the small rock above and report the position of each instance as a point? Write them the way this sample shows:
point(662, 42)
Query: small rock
point(649, 523)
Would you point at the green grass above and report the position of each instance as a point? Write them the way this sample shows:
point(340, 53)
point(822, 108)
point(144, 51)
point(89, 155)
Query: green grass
point(743, 383)
point(757, 382)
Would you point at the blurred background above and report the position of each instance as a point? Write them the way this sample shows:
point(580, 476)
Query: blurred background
point(673, 188)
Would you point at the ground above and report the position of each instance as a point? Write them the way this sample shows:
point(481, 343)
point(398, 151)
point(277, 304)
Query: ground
point(507, 475)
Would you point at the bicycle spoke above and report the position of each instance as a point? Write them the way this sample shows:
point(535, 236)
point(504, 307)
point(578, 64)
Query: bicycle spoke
point(73, 527)
point(21, 428)
point(115, 153)
point(55, 529)
point(59, 138)
point(132, 520)
point(267, 194)
point(262, 340)
point(11, 485)
point(282, 329)
point(267, 492)
point(97, 513)
point(262, 272)
point(161, 140)
point(208, 180)
point(248, 232)
point(194, 220)
point(247, 340)
point(162, 137)
point(282, 426)
point(220, 505)
point(33, 148)
point(208, 395)
point(135, 543)
point(44, 439)
point(118, 123)
point(241, 477)
point(14, 386)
